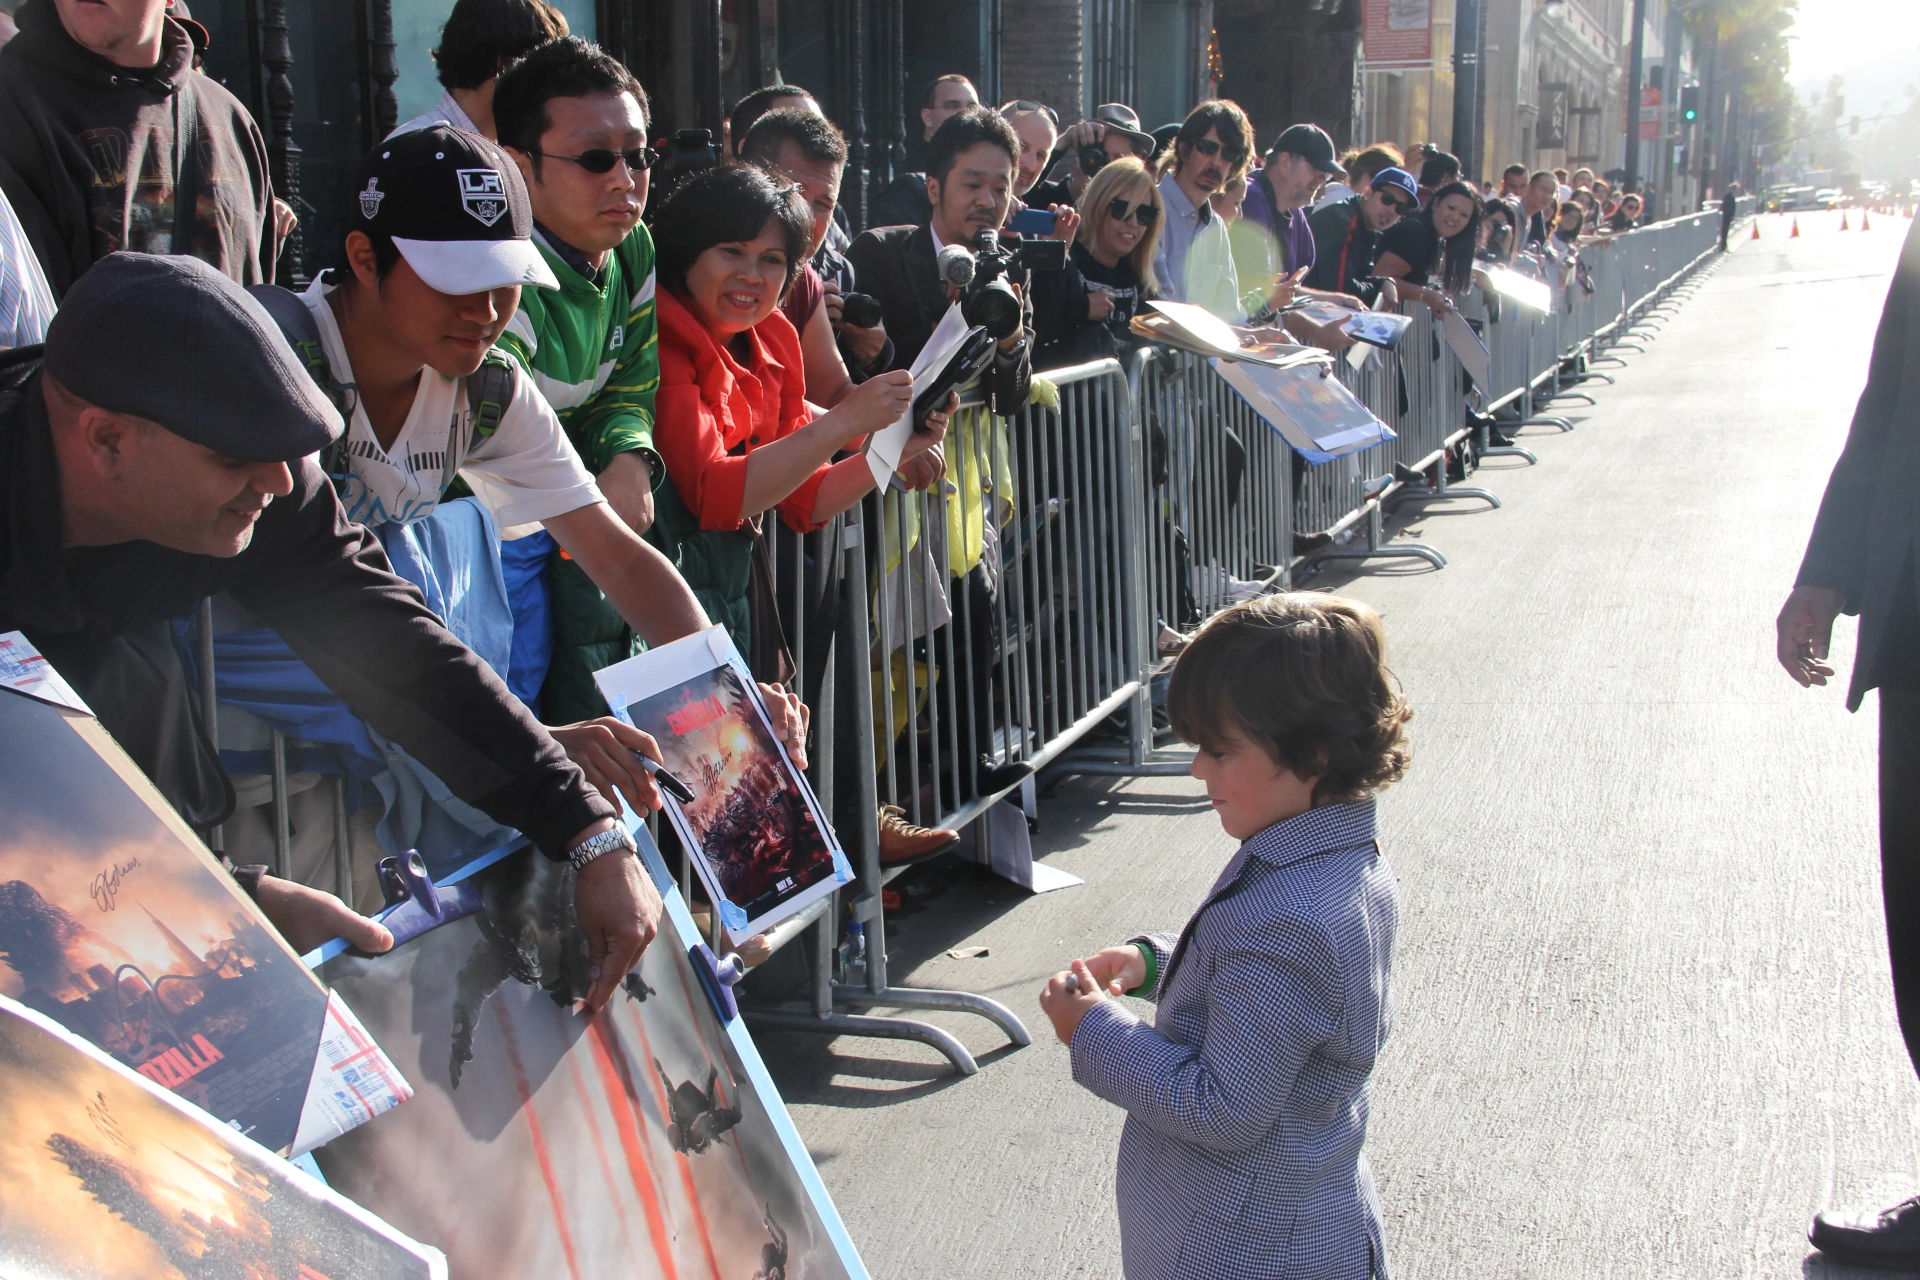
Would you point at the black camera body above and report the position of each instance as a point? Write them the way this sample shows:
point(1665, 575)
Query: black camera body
point(690, 151)
point(989, 301)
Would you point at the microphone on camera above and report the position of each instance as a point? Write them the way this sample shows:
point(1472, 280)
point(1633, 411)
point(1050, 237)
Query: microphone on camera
point(860, 310)
point(956, 266)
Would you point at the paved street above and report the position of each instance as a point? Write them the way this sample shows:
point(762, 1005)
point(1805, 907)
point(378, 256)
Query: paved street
point(1644, 1023)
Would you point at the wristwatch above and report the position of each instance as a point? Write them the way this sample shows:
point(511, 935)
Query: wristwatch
point(593, 846)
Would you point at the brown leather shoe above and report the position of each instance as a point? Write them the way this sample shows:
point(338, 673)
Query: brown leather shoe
point(902, 842)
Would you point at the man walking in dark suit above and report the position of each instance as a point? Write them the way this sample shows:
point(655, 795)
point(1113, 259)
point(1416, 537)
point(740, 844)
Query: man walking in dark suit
point(1860, 560)
point(1729, 206)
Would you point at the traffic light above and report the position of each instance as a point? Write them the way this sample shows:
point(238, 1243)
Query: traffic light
point(1690, 102)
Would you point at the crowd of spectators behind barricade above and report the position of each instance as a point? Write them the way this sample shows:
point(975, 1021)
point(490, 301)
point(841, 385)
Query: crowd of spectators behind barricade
point(734, 376)
point(648, 367)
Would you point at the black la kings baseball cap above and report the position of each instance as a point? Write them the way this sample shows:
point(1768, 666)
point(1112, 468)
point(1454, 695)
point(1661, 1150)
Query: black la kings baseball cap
point(456, 208)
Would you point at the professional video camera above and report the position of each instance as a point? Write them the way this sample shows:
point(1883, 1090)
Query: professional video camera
point(690, 151)
point(986, 277)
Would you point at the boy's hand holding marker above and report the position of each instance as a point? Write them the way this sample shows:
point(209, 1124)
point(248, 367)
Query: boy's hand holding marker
point(1068, 996)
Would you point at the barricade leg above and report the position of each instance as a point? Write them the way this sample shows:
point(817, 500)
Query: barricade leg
point(1377, 549)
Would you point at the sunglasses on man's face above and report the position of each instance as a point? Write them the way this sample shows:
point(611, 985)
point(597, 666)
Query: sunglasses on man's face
point(1142, 213)
point(601, 160)
point(1402, 205)
point(1208, 147)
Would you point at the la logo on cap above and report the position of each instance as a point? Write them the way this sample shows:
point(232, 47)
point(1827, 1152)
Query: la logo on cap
point(370, 199)
point(483, 193)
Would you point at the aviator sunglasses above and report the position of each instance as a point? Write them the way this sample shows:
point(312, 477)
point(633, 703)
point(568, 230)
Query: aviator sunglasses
point(601, 160)
point(1142, 213)
point(1208, 147)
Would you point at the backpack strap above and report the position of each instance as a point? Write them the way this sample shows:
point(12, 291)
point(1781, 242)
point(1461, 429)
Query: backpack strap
point(490, 389)
point(302, 333)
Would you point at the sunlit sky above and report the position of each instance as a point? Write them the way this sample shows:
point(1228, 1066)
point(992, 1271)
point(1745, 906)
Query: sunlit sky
point(1833, 35)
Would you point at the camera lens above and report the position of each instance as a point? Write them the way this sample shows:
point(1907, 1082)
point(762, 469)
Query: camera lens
point(860, 310)
point(994, 308)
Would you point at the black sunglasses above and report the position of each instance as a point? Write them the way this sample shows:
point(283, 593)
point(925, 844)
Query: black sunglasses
point(1021, 104)
point(1143, 213)
point(601, 160)
point(1208, 147)
point(1400, 205)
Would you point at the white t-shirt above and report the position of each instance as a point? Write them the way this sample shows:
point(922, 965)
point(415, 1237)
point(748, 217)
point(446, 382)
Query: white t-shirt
point(446, 111)
point(523, 473)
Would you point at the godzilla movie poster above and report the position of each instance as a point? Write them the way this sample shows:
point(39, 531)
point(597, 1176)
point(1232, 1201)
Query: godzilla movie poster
point(116, 923)
point(763, 849)
point(106, 1176)
point(649, 1142)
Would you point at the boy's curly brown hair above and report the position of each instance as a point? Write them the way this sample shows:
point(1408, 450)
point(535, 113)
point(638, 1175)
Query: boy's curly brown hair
point(1305, 676)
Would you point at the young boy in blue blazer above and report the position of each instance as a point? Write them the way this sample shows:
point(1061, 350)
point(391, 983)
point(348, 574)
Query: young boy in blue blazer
point(1247, 1095)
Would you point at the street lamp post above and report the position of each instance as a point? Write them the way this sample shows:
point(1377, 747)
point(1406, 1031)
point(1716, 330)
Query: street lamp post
point(1636, 71)
point(1468, 50)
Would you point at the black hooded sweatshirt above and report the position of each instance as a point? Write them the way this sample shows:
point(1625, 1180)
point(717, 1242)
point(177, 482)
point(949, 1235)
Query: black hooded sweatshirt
point(88, 157)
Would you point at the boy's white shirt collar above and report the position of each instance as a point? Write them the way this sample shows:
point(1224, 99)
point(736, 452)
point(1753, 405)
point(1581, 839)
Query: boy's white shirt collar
point(378, 488)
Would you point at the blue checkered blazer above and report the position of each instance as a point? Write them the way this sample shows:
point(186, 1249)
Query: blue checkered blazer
point(1247, 1097)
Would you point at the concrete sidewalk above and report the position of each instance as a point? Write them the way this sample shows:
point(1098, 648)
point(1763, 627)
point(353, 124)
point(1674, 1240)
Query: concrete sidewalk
point(1644, 1024)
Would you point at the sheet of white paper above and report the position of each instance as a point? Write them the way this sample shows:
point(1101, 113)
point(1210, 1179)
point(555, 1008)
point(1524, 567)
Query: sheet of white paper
point(885, 448)
point(23, 670)
point(1010, 851)
point(1472, 352)
point(1524, 290)
point(1200, 326)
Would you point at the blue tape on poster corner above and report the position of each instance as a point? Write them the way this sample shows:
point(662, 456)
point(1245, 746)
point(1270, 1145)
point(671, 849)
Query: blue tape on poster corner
point(842, 869)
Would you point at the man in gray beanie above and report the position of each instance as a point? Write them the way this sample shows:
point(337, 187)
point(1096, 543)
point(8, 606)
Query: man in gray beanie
point(158, 450)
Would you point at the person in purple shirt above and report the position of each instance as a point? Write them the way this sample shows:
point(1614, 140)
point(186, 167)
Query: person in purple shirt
point(1275, 240)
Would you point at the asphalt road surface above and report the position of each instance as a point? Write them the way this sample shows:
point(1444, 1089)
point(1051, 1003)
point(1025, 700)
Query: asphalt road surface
point(1644, 1025)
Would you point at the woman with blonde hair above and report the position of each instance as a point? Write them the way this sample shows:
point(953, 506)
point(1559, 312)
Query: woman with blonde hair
point(1086, 311)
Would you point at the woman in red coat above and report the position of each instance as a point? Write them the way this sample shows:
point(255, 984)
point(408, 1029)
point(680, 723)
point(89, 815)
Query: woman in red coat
point(731, 422)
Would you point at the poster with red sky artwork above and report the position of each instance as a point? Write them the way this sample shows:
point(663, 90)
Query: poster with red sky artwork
point(761, 844)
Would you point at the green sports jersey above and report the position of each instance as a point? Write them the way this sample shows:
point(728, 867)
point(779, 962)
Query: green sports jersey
point(593, 352)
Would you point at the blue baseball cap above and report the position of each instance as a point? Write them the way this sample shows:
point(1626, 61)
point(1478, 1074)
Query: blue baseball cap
point(1399, 180)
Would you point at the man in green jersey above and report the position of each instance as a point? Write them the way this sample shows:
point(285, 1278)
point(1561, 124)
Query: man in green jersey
point(575, 122)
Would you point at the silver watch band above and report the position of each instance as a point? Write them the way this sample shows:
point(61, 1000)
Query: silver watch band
point(593, 846)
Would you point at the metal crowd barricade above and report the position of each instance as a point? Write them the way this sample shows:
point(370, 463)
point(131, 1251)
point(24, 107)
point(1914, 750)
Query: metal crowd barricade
point(990, 622)
point(1000, 618)
point(1220, 490)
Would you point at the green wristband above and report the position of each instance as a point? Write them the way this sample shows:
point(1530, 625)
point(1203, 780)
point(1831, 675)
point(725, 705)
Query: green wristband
point(1152, 980)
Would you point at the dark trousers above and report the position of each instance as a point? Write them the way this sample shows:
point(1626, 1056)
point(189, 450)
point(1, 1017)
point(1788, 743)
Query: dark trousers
point(1900, 852)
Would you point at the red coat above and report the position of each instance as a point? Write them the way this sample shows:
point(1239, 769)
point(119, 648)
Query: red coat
point(712, 412)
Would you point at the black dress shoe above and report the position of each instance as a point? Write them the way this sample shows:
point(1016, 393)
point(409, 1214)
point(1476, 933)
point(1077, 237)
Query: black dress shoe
point(1885, 1238)
point(995, 778)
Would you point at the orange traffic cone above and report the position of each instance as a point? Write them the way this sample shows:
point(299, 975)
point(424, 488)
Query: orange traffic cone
point(1843, 219)
point(1864, 224)
point(1795, 233)
point(1756, 230)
